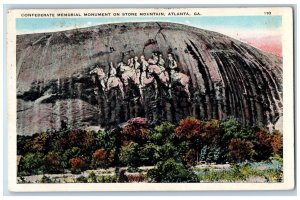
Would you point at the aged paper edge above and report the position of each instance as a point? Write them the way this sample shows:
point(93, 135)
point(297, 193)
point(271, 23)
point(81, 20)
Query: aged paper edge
point(288, 110)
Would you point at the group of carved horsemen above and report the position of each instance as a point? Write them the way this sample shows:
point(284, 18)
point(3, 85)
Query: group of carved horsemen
point(142, 72)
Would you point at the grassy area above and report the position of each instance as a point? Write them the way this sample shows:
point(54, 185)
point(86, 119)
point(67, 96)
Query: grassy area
point(270, 172)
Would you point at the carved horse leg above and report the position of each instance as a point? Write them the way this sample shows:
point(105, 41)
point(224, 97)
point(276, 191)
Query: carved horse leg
point(121, 86)
point(102, 84)
point(156, 89)
point(169, 90)
point(141, 94)
point(186, 89)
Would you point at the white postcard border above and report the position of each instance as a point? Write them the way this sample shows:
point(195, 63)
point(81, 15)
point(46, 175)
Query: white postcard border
point(288, 117)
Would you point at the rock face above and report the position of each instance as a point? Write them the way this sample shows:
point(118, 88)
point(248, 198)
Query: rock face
point(226, 77)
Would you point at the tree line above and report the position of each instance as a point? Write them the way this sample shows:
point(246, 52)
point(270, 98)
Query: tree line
point(175, 146)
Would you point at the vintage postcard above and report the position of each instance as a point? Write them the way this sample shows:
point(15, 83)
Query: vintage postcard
point(150, 99)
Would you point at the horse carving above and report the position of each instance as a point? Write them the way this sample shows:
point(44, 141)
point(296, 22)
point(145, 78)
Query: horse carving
point(108, 83)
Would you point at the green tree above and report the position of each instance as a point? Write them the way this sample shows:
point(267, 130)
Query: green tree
point(129, 155)
point(149, 154)
point(234, 129)
point(33, 163)
point(167, 151)
point(105, 139)
point(162, 133)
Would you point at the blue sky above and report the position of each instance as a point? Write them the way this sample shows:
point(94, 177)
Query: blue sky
point(215, 23)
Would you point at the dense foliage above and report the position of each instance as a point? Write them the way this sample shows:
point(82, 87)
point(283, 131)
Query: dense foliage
point(171, 149)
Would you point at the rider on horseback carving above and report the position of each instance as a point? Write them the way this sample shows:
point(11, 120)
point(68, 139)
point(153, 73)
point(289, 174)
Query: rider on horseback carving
point(161, 64)
point(137, 66)
point(113, 70)
point(172, 66)
point(144, 70)
point(143, 73)
point(153, 60)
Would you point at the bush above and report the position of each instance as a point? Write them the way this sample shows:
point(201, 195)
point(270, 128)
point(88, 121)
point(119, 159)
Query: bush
point(138, 121)
point(61, 144)
point(99, 155)
point(277, 143)
point(100, 158)
point(88, 142)
point(263, 147)
point(188, 128)
point(171, 172)
point(74, 137)
point(214, 145)
point(211, 131)
point(240, 150)
point(33, 163)
point(40, 143)
point(77, 164)
point(135, 132)
point(53, 162)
